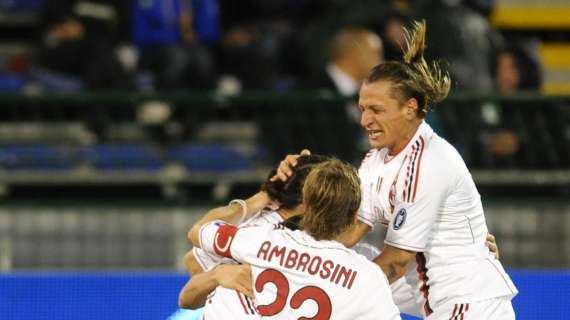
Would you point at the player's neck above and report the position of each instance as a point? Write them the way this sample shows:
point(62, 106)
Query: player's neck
point(345, 238)
point(287, 213)
point(407, 137)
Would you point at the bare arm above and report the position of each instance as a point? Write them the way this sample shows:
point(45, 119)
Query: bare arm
point(394, 261)
point(230, 214)
point(194, 294)
point(191, 264)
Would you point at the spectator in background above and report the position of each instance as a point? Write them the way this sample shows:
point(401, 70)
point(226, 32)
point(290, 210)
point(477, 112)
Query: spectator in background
point(353, 51)
point(173, 37)
point(260, 47)
point(515, 71)
point(78, 42)
point(463, 36)
point(393, 34)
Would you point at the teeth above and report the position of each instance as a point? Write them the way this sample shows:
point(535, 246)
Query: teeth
point(374, 133)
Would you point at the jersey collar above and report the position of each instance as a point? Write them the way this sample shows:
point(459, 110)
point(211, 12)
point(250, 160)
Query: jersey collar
point(424, 131)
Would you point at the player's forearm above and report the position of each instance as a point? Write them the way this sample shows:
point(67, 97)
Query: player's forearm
point(394, 262)
point(191, 264)
point(196, 290)
point(393, 271)
point(232, 214)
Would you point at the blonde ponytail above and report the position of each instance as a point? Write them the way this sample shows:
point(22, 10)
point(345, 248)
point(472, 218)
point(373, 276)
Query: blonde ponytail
point(435, 81)
point(414, 78)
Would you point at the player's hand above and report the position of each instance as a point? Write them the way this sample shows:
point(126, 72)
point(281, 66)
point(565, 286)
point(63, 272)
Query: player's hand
point(491, 243)
point(285, 169)
point(235, 276)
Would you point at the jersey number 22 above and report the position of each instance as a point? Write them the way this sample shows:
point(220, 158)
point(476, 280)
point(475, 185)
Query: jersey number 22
point(309, 292)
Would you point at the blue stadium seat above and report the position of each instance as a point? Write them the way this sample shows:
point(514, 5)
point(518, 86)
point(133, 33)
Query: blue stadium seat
point(209, 158)
point(122, 157)
point(11, 83)
point(20, 5)
point(56, 82)
point(35, 157)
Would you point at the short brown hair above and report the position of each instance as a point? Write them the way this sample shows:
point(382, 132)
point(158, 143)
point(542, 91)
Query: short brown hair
point(414, 78)
point(331, 195)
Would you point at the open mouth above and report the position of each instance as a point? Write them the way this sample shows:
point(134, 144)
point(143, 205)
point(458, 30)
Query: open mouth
point(373, 134)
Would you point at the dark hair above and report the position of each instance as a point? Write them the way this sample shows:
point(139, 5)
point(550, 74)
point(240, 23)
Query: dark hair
point(414, 78)
point(289, 194)
point(331, 196)
point(293, 223)
point(528, 67)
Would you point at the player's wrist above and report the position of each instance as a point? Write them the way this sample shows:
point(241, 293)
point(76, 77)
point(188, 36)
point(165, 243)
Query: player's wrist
point(257, 202)
point(243, 205)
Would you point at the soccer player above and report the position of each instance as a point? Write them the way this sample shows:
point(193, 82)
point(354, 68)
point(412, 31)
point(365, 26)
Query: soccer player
point(224, 303)
point(417, 184)
point(307, 273)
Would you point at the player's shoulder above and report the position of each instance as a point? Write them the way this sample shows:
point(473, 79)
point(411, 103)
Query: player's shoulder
point(371, 157)
point(440, 156)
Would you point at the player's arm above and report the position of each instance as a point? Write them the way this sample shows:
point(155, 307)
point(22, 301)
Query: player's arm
point(191, 264)
point(417, 207)
point(232, 214)
point(194, 294)
point(394, 261)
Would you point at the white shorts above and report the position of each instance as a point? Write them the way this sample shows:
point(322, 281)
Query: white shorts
point(492, 309)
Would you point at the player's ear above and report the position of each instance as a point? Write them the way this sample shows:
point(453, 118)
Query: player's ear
point(411, 108)
point(355, 217)
point(301, 209)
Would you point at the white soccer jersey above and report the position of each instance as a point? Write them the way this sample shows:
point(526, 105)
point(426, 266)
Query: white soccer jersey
point(297, 277)
point(428, 198)
point(224, 303)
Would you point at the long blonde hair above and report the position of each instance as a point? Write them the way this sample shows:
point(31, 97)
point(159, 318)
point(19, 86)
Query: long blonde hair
point(414, 78)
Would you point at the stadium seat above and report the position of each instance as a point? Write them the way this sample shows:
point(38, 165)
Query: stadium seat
point(20, 5)
point(209, 158)
point(122, 157)
point(10, 83)
point(35, 157)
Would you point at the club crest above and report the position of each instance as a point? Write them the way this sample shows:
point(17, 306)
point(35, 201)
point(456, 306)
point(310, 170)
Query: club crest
point(400, 219)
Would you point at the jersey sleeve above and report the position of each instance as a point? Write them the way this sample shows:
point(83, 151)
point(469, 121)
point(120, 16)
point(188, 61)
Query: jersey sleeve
point(225, 240)
point(421, 196)
point(205, 259)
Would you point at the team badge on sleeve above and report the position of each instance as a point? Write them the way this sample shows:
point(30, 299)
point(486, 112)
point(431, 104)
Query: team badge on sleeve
point(400, 219)
point(223, 240)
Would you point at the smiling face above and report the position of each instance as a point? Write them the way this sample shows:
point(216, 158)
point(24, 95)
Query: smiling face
point(388, 122)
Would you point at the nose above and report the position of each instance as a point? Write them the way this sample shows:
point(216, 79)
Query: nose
point(365, 118)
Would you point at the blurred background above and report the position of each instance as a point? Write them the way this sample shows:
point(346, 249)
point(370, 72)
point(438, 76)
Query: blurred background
point(123, 121)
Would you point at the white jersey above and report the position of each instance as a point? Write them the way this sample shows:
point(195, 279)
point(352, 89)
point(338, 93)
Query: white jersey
point(427, 197)
point(296, 276)
point(224, 303)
